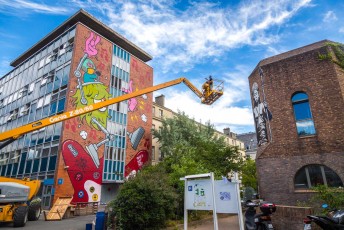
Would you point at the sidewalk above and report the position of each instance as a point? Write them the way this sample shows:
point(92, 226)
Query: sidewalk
point(228, 222)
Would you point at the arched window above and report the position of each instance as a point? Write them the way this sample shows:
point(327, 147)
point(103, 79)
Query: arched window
point(313, 175)
point(303, 114)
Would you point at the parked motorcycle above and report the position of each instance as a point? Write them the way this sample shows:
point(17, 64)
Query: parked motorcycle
point(333, 221)
point(261, 221)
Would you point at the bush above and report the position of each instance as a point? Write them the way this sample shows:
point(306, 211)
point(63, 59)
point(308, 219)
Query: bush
point(333, 197)
point(144, 202)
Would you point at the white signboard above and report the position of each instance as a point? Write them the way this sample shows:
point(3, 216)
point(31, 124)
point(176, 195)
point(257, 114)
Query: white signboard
point(226, 197)
point(199, 195)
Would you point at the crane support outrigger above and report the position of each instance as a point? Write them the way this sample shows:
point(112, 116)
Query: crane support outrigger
point(207, 97)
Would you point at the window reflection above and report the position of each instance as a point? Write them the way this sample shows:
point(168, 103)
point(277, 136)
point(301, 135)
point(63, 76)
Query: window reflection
point(303, 115)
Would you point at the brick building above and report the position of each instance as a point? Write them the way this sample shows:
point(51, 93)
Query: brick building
point(79, 63)
point(298, 106)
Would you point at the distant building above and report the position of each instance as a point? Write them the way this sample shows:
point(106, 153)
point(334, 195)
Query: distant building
point(298, 106)
point(160, 112)
point(250, 142)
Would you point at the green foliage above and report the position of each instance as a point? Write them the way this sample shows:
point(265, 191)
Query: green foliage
point(186, 142)
point(338, 50)
point(144, 202)
point(249, 174)
point(156, 194)
point(191, 148)
point(333, 197)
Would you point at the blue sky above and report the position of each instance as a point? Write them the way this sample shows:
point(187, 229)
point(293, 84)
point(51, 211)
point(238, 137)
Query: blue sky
point(225, 39)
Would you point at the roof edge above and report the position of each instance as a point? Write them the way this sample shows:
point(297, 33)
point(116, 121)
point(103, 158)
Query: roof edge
point(94, 24)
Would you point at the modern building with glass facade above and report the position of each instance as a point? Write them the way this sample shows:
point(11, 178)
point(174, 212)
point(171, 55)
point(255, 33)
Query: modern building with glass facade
point(79, 63)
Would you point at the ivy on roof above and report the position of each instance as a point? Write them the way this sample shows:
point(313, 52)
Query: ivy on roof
point(337, 54)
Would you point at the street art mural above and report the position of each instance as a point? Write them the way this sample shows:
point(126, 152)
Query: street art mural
point(139, 112)
point(261, 113)
point(86, 135)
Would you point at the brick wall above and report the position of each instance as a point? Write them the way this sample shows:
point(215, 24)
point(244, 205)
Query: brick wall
point(291, 217)
point(285, 153)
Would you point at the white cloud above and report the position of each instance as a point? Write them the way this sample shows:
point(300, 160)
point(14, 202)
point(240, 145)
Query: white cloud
point(341, 30)
point(330, 16)
point(224, 112)
point(178, 39)
point(218, 114)
point(24, 6)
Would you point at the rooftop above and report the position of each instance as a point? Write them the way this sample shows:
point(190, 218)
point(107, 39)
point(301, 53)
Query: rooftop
point(94, 24)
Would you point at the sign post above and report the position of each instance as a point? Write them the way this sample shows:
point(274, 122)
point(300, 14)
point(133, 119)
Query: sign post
point(202, 192)
point(199, 195)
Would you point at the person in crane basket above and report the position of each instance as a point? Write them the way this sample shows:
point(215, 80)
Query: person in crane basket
point(208, 86)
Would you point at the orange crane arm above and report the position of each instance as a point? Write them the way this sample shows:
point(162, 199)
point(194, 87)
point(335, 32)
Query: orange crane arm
point(11, 135)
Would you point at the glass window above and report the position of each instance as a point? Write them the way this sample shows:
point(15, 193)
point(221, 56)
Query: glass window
point(40, 102)
point(52, 163)
point(303, 114)
point(313, 175)
point(61, 105)
point(65, 77)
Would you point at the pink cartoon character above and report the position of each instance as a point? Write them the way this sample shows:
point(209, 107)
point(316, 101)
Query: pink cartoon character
point(90, 48)
point(132, 102)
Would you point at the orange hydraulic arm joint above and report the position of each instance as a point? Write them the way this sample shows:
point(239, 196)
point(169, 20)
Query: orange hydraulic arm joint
point(14, 134)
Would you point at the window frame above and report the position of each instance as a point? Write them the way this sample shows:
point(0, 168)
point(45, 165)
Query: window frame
point(305, 169)
point(311, 119)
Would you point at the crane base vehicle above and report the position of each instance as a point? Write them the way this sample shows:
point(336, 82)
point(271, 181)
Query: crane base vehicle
point(16, 201)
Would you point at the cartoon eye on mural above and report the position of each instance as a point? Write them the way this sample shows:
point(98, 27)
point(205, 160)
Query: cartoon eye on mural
point(261, 114)
point(94, 92)
point(136, 136)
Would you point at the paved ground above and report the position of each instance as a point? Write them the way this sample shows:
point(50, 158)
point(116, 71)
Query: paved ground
point(75, 223)
point(224, 223)
point(79, 223)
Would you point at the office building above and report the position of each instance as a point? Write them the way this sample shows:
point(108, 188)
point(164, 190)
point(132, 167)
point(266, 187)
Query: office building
point(79, 63)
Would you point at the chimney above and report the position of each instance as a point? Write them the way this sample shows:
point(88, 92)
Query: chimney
point(160, 100)
point(227, 131)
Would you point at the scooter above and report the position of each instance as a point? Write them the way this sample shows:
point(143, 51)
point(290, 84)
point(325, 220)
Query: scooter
point(334, 220)
point(261, 221)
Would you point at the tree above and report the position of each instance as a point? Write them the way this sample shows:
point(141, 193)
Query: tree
point(184, 140)
point(249, 174)
point(192, 148)
point(144, 202)
point(148, 200)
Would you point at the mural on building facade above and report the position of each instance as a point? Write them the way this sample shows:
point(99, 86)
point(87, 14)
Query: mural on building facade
point(83, 153)
point(261, 113)
point(138, 141)
point(85, 136)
